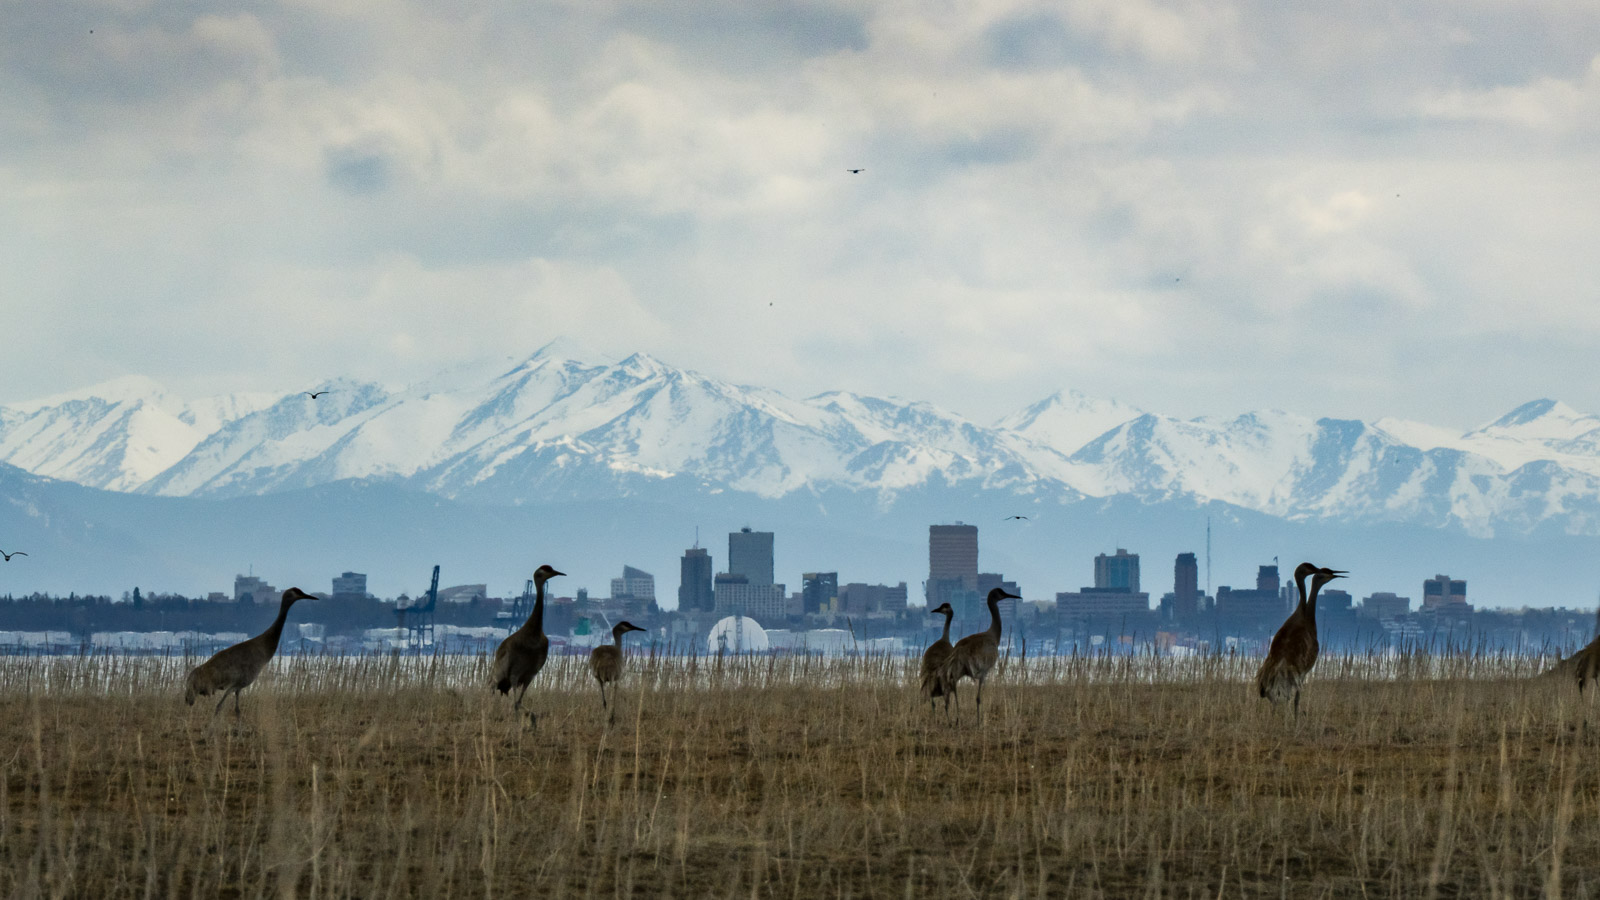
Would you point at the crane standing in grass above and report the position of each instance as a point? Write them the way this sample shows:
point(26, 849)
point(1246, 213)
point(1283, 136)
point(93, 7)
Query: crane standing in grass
point(933, 660)
point(1294, 648)
point(235, 668)
point(522, 654)
point(1588, 660)
point(1584, 666)
point(974, 655)
point(605, 661)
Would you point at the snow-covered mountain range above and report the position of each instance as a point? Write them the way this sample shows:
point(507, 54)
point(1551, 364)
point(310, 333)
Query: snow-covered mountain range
point(565, 425)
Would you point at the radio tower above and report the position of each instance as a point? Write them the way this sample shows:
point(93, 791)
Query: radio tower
point(1208, 556)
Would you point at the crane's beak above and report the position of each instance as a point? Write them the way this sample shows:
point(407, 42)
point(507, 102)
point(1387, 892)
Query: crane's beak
point(1011, 596)
point(554, 573)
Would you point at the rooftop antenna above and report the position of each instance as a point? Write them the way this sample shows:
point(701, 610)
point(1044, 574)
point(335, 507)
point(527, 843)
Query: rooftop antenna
point(1208, 556)
point(697, 537)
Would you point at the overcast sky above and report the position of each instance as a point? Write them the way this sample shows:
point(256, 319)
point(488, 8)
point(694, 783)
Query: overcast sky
point(1339, 208)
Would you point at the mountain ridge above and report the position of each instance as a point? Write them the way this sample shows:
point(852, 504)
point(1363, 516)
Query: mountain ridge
point(563, 424)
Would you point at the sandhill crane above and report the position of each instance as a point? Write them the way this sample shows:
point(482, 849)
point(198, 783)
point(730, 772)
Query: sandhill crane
point(1294, 648)
point(933, 660)
point(974, 655)
point(605, 661)
point(11, 554)
point(1588, 664)
point(521, 655)
point(234, 668)
point(1584, 666)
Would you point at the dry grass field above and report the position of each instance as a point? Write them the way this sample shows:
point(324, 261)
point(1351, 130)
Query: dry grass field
point(407, 777)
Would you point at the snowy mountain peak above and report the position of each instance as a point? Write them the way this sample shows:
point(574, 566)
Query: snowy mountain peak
point(563, 424)
point(124, 389)
point(566, 348)
point(1542, 420)
point(1068, 420)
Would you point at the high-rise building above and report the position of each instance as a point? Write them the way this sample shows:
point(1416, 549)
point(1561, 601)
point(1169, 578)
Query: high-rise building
point(861, 599)
point(1384, 606)
point(1117, 573)
point(1441, 591)
point(1267, 580)
point(1266, 604)
point(694, 583)
point(766, 603)
point(350, 586)
point(952, 562)
point(750, 555)
point(1102, 606)
point(635, 584)
point(818, 591)
point(1185, 587)
point(250, 589)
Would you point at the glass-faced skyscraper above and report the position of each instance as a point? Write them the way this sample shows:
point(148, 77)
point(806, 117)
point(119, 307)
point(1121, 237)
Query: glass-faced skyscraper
point(1117, 573)
point(694, 587)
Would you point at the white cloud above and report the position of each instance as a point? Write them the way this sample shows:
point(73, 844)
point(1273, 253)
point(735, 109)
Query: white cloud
point(1546, 103)
point(1168, 202)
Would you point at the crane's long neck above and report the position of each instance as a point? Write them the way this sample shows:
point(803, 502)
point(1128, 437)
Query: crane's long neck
point(274, 631)
point(1310, 603)
point(994, 618)
point(947, 617)
point(616, 637)
point(536, 618)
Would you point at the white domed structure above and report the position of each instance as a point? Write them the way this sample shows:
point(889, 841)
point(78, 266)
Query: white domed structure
point(738, 634)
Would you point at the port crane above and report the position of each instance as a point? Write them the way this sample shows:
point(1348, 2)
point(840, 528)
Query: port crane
point(416, 620)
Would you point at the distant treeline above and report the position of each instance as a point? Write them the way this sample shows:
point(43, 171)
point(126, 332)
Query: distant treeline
point(82, 614)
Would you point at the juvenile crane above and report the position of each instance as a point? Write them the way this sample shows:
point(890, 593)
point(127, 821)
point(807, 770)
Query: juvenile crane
point(605, 661)
point(974, 655)
point(235, 668)
point(933, 660)
point(522, 654)
point(1294, 648)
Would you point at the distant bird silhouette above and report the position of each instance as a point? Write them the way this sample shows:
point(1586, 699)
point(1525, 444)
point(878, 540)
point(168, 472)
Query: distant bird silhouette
point(1009, 518)
point(855, 171)
point(522, 654)
point(235, 668)
point(605, 661)
point(933, 661)
point(974, 655)
point(11, 554)
point(315, 394)
point(1294, 648)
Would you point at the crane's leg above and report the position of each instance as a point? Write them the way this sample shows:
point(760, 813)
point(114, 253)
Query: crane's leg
point(603, 704)
point(236, 703)
point(980, 702)
point(1297, 704)
point(221, 700)
point(518, 705)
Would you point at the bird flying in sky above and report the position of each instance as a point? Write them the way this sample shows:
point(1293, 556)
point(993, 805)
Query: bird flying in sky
point(315, 394)
point(11, 554)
